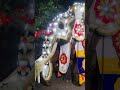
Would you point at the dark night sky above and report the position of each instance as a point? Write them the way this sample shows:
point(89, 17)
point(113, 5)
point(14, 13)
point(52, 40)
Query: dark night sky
point(68, 3)
point(65, 3)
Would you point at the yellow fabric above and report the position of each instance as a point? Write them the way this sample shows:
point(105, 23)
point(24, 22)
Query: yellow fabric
point(117, 84)
point(81, 79)
point(110, 66)
point(83, 64)
point(80, 53)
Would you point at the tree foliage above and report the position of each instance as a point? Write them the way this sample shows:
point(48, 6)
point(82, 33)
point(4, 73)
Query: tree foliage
point(46, 11)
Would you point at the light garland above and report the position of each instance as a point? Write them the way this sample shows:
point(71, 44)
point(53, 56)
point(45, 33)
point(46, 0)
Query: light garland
point(60, 28)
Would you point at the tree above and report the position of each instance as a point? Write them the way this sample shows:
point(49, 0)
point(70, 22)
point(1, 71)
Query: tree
point(46, 11)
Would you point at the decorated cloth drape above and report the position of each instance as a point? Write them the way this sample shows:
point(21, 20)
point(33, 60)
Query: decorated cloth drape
point(64, 58)
point(103, 18)
point(80, 54)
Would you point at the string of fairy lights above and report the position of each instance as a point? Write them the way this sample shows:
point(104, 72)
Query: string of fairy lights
point(64, 26)
point(60, 26)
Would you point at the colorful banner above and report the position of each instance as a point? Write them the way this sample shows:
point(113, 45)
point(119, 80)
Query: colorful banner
point(64, 58)
point(80, 54)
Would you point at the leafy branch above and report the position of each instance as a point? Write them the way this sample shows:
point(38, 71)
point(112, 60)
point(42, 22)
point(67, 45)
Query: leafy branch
point(46, 11)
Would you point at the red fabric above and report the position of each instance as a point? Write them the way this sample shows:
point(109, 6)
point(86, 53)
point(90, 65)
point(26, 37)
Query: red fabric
point(116, 41)
point(104, 19)
point(46, 33)
point(63, 58)
point(59, 74)
point(4, 19)
point(79, 33)
point(37, 34)
point(83, 76)
point(83, 43)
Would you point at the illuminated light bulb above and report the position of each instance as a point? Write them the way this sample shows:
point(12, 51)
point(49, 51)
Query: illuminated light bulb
point(55, 23)
point(54, 29)
point(70, 10)
point(59, 34)
point(50, 45)
point(63, 33)
point(75, 7)
point(44, 52)
point(66, 21)
point(66, 14)
point(39, 59)
point(75, 34)
point(58, 19)
point(61, 15)
point(55, 18)
point(78, 21)
point(45, 37)
point(66, 28)
point(51, 38)
point(44, 45)
point(82, 9)
point(48, 30)
point(82, 20)
point(50, 24)
point(48, 51)
point(75, 3)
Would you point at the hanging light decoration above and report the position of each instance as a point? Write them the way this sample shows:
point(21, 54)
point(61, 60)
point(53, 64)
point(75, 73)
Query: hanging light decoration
point(60, 28)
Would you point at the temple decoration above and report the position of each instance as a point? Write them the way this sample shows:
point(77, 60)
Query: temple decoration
point(103, 16)
point(117, 84)
point(67, 27)
point(104, 20)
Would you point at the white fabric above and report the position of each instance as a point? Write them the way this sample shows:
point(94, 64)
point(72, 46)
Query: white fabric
point(65, 49)
point(79, 46)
